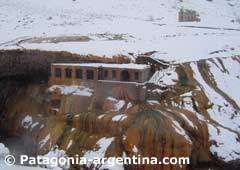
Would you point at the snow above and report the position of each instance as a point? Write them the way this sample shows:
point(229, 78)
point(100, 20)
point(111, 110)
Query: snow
point(124, 137)
point(45, 140)
point(158, 91)
point(122, 26)
point(34, 125)
point(227, 80)
point(55, 109)
point(180, 131)
point(101, 147)
point(69, 144)
point(15, 167)
point(129, 105)
point(227, 147)
point(55, 153)
point(73, 90)
point(105, 65)
point(101, 116)
point(42, 126)
point(4, 151)
point(135, 149)
point(176, 126)
point(187, 94)
point(112, 99)
point(73, 129)
point(190, 123)
point(27, 121)
point(110, 167)
point(118, 118)
point(165, 77)
point(119, 105)
point(187, 103)
point(222, 111)
point(153, 102)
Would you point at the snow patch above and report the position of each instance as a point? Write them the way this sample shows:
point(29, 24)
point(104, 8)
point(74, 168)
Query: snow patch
point(226, 144)
point(4, 151)
point(55, 153)
point(45, 140)
point(190, 123)
point(34, 125)
point(106, 65)
point(119, 105)
point(153, 102)
point(180, 131)
point(73, 129)
point(15, 167)
point(222, 111)
point(100, 149)
point(69, 144)
point(27, 121)
point(101, 116)
point(72, 90)
point(165, 77)
point(129, 105)
point(135, 149)
point(118, 118)
point(112, 99)
point(227, 80)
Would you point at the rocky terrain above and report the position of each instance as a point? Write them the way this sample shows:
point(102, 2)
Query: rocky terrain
point(192, 110)
point(192, 105)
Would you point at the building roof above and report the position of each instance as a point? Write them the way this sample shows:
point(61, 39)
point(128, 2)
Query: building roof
point(106, 65)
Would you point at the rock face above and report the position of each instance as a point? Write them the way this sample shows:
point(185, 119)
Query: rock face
point(196, 114)
point(35, 62)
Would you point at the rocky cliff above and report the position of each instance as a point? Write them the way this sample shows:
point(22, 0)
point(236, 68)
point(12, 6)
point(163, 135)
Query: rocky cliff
point(35, 62)
point(192, 110)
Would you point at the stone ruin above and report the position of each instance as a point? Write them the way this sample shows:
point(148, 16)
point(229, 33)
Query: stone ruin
point(186, 15)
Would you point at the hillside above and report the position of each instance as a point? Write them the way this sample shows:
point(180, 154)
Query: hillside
point(197, 115)
point(111, 27)
point(190, 107)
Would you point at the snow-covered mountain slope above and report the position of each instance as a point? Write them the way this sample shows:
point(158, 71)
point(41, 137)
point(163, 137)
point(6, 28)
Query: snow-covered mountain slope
point(220, 81)
point(191, 109)
point(113, 27)
point(214, 101)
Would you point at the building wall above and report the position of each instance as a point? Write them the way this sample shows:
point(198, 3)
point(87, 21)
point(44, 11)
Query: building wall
point(143, 75)
point(120, 90)
point(188, 16)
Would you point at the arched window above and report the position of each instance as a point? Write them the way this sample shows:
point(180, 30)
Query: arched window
point(68, 73)
point(136, 76)
point(114, 74)
point(90, 74)
point(58, 72)
point(125, 75)
point(105, 73)
point(79, 74)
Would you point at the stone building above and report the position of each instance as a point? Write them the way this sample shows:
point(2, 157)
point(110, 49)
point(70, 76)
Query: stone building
point(186, 15)
point(76, 73)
